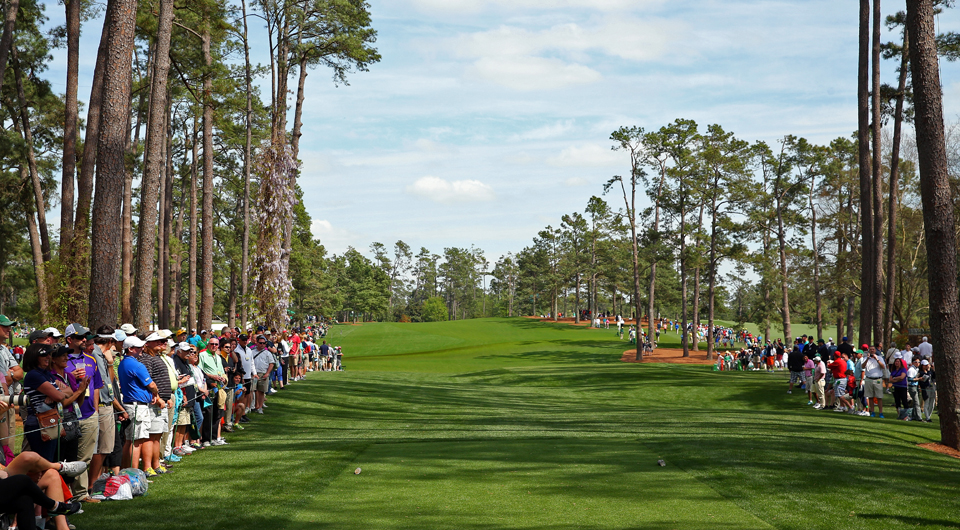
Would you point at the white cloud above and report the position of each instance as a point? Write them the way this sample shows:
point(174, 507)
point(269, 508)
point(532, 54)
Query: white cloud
point(547, 131)
point(443, 191)
point(589, 155)
point(532, 73)
point(334, 239)
point(626, 37)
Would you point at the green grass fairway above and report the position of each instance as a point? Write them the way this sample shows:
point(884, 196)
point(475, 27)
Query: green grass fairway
point(513, 423)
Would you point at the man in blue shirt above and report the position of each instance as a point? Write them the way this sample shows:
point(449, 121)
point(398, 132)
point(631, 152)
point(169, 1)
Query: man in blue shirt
point(139, 392)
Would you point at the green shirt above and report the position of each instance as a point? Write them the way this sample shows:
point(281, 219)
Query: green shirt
point(210, 364)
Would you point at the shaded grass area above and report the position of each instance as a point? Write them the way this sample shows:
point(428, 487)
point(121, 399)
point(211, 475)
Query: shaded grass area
point(550, 483)
point(538, 426)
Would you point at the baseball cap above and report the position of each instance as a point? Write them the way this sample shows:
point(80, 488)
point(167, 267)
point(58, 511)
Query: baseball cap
point(119, 335)
point(202, 331)
point(898, 355)
point(924, 363)
point(154, 337)
point(859, 351)
point(39, 334)
point(129, 329)
point(181, 331)
point(864, 347)
point(816, 357)
point(76, 329)
point(185, 346)
point(243, 336)
point(54, 332)
point(133, 342)
point(4, 321)
point(845, 339)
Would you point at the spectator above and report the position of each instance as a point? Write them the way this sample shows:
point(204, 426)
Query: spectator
point(43, 393)
point(898, 378)
point(928, 389)
point(263, 365)
point(141, 398)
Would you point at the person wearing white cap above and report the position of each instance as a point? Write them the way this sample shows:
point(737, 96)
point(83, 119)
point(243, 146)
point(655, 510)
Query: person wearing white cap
point(151, 358)
point(139, 394)
point(928, 389)
point(54, 336)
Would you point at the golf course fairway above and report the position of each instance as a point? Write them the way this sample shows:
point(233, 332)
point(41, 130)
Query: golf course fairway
point(517, 423)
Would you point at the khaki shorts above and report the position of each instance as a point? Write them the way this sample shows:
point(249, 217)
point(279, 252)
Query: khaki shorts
point(183, 418)
point(140, 419)
point(159, 420)
point(872, 388)
point(108, 430)
point(263, 384)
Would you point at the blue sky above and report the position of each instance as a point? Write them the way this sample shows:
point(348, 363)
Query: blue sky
point(486, 120)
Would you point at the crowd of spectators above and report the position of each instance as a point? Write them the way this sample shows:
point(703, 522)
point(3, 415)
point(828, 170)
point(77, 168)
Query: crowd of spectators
point(842, 378)
point(95, 402)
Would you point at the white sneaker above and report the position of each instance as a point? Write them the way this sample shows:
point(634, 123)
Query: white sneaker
point(187, 448)
point(817, 406)
point(72, 469)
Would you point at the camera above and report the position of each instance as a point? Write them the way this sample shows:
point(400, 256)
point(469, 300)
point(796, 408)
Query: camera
point(17, 400)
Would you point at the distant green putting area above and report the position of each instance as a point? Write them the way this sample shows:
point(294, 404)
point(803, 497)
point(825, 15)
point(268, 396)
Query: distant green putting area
point(516, 423)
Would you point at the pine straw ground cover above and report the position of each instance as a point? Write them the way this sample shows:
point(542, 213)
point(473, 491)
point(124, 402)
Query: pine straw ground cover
point(513, 423)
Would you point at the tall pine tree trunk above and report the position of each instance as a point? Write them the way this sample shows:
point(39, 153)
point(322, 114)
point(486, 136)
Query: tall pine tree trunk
point(192, 257)
point(696, 287)
point(106, 228)
point(206, 244)
point(877, 181)
point(894, 190)
point(244, 257)
point(69, 160)
point(79, 260)
point(167, 232)
point(154, 166)
point(818, 296)
point(866, 185)
point(938, 216)
point(6, 41)
point(651, 290)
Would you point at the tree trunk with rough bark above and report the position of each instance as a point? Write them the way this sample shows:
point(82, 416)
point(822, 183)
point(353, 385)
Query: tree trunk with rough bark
point(106, 227)
point(152, 175)
point(206, 250)
point(77, 277)
point(166, 307)
point(651, 290)
point(894, 191)
point(938, 216)
point(877, 181)
point(866, 187)
point(192, 268)
point(70, 111)
point(244, 258)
